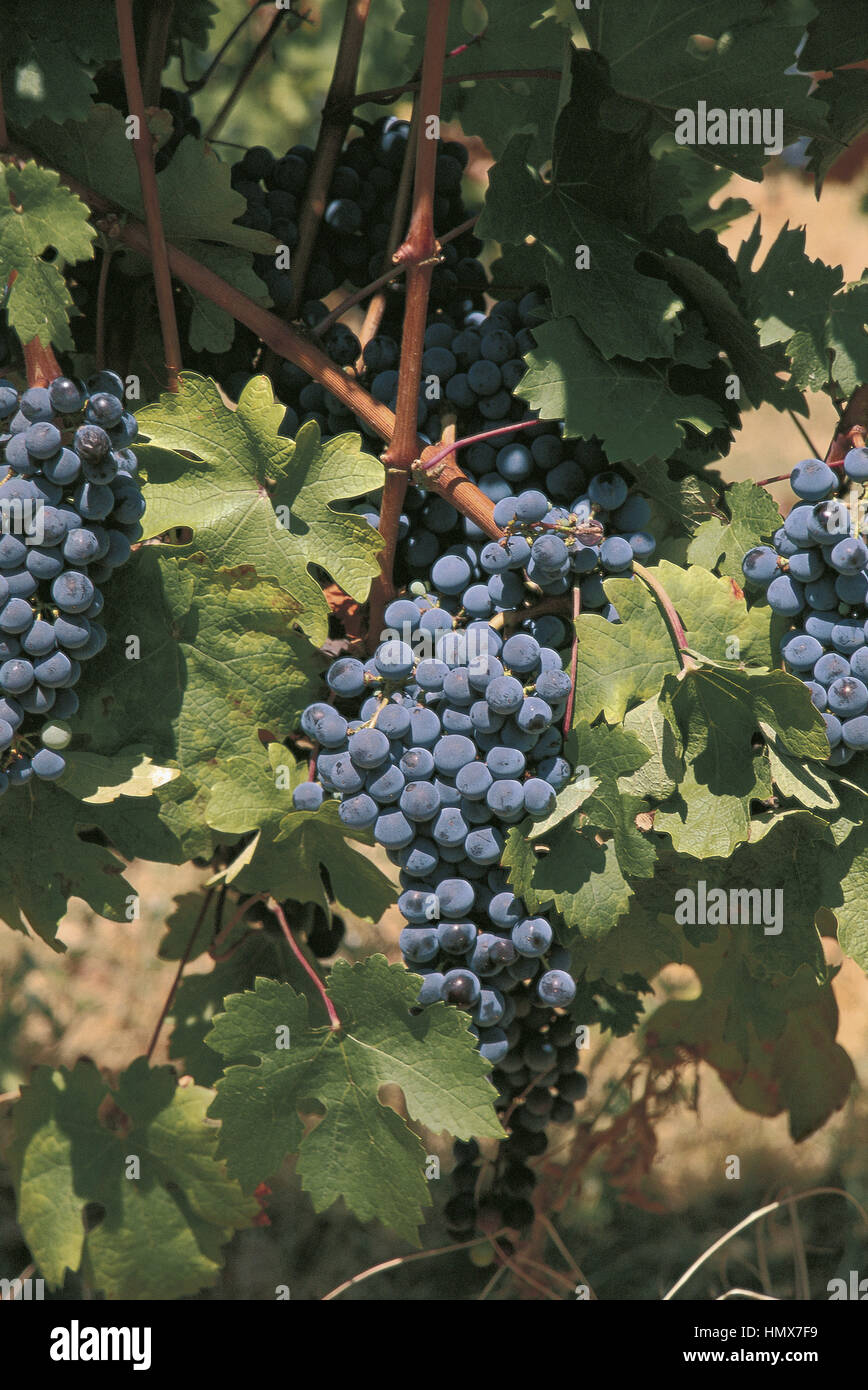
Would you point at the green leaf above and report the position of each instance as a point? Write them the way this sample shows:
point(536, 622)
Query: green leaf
point(795, 781)
point(716, 618)
point(217, 661)
point(46, 863)
point(835, 36)
point(844, 363)
point(36, 212)
point(578, 874)
point(753, 517)
point(789, 292)
point(253, 497)
point(212, 329)
point(661, 64)
point(45, 59)
point(622, 663)
point(292, 848)
point(717, 710)
point(846, 94)
point(702, 823)
point(74, 1137)
point(361, 1150)
point(657, 777)
point(629, 406)
point(623, 312)
point(522, 34)
point(197, 200)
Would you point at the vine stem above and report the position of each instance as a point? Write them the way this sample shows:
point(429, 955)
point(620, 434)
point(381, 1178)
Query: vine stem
point(408, 1259)
point(4, 133)
point(377, 307)
point(249, 67)
point(200, 82)
point(855, 418)
point(173, 989)
point(679, 636)
point(275, 907)
point(386, 95)
point(143, 148)
point(40, 363)
point(418, 253)
point(427, 464)
point(101, 287)
point(574, 662)
point(159, 25)
point(225, 932)
point(450, 483)
point(337, 113)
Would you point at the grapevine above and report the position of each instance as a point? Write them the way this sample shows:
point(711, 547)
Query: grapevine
point(383, 560)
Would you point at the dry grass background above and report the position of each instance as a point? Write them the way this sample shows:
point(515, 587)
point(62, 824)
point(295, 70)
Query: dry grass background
point(102, 996)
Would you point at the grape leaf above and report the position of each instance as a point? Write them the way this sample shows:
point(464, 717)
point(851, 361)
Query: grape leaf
point(846, 94)
point(623, 312)
point(212, 329)
point(638, 944)
point(796, 781)
point(577, 872)
point(197, 200)
point(37, 212)
point(716, 619)
point(361, 1150)
point(845, 883)
point(789, 293)
point(45, 69)
point(291, 848)
point(253, 497)
point(717, 710)
point(620, 663)
point(773, 1046)
point(629, 406)
point(843, 358)
point(658, 776)
point(161, 1230)
point(46, 863)
point(721, 55)
point(217, 661)
point(495, 38)
point(835, 36)
point(753, 517)
point(708, 824)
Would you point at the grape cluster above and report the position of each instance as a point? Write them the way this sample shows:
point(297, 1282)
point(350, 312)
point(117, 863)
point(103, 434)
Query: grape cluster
point(356, 225)
point(816, 574)
point(539, 1084)
point(69, 512)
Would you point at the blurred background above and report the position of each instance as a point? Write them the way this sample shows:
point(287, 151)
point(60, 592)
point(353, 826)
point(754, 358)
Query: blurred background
point(636, 1199)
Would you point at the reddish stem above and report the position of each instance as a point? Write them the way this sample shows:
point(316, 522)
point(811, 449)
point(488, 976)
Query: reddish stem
point(448, 449)
point(40, 363)
point(101, 287)
point(278, 911)
point(679, 636)
point(419, 248)
point(143, 148)
point(377, 307)
point(173, 989)
point(332, 133)
point(225, 932)
point(574, 662)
